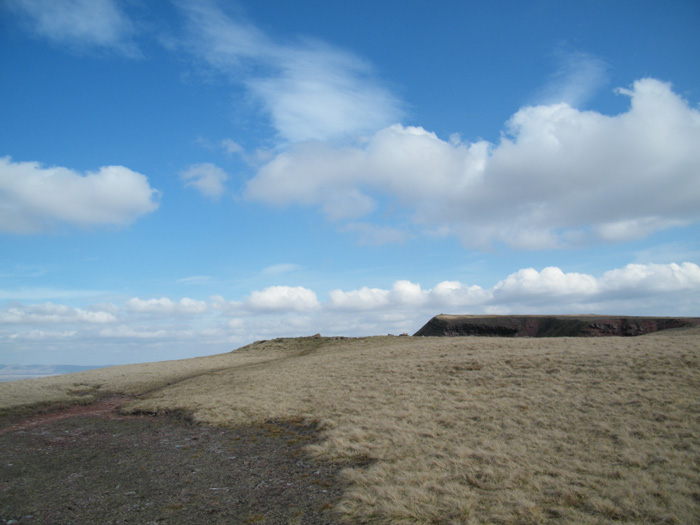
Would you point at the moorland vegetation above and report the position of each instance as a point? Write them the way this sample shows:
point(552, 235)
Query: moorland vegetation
point(451, 430)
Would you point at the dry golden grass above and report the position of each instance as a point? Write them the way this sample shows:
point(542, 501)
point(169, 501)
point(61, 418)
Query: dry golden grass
point(85, 387)
point(461, 430)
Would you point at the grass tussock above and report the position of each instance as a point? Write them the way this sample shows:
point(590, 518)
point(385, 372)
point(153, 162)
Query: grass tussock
point(457, 430)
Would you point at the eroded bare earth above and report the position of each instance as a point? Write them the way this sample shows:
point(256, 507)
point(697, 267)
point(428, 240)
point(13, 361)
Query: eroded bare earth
point(90, 464)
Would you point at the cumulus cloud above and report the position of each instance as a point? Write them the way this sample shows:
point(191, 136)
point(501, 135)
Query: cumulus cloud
point(362, 299)
point(218, 302)
point(80, 23)
point(310, 90)
point(166, 306)
point(285, 311)
point(282, 298)
point(34, 198)
point(206, 178)
point(406, 294)
point(545, 291)
point(647, 279)
point(558, 177)
point(551, 282)
point(454, 294)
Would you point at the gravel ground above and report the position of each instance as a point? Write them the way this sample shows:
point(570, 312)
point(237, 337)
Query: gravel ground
point(92, 465)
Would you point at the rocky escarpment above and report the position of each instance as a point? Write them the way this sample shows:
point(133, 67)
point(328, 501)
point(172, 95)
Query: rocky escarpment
point(550, 325)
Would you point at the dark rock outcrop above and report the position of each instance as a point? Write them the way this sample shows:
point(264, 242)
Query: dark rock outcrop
point(550, 325)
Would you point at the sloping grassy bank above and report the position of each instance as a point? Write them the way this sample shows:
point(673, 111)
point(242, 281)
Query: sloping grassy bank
point(458, 429)
point(84, 387)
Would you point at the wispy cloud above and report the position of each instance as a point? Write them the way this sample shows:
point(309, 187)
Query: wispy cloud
point(46, 293)
point(196, 279)
point(281, 269)
point(206, 178)
point(80, 24)
point(34, 198)
point(372, 234)
point(309, 90)
point(578, 77)
point(558, 177)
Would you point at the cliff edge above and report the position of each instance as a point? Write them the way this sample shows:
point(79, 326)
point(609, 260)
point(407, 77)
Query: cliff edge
point(549, 325)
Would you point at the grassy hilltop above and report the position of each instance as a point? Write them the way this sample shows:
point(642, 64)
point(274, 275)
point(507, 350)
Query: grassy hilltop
point(453, 430)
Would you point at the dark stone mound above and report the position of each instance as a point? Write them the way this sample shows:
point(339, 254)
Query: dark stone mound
point(549, 325)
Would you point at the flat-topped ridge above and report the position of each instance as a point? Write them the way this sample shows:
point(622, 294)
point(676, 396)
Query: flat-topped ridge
point(550, 325)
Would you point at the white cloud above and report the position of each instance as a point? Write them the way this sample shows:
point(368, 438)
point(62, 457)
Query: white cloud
point(647, 279)
point(545, 291)
point(578, 77)
point(166, 306)
point(128, 332)
point(310, 90)
point(206, 178)
point(454, 294)
point(551, 282)
point(218, 302)
point(236, 324)
point(635, 228)
point(33, 198)
point(80, 23)
point(372, 234)
point(196, 279)
point(280, 269)
point(362, 299)
point(559, 176)
point(285, 311)
point(282, 298)
point(231, 146)
point(40, 335)
point(52, 313)
point(408, 295)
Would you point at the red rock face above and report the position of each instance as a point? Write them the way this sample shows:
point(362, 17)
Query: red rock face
point(550, 326)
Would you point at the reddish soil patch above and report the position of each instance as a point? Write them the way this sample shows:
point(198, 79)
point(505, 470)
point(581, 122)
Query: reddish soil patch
point(105, 408)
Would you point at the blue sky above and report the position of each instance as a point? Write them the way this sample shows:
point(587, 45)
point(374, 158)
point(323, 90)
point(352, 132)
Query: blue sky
point(181, 178)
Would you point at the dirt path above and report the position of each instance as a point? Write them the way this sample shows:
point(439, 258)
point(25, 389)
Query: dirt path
point(90, 464)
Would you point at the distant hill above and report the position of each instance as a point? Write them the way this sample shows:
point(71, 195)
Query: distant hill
point(17, 372)
point(550, 325)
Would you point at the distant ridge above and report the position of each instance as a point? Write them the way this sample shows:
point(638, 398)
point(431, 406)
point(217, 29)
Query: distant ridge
point(550, 325)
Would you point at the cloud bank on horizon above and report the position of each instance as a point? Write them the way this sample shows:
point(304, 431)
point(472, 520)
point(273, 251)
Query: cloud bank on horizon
point(165, 325)
point(562, 176)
